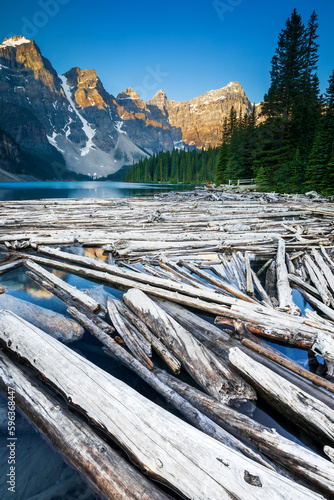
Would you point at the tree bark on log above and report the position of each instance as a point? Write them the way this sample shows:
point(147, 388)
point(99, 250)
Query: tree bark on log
point(286, 397)
point(161, 350)
point(284, 291)
point(103, 469)
point(291, 365)
point(127, 336)
point(73, 292)
point(296, 458)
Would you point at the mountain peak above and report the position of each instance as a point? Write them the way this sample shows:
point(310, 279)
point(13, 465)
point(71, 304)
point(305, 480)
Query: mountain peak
point(159, 100)
point(129, 92)
point(160, 93)
point(14, 41)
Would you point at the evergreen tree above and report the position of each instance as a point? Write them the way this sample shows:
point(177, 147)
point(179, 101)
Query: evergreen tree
point(319, 173)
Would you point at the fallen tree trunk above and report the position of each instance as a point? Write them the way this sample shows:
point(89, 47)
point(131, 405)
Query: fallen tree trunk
point(284, 291)
point(103, 469)
point(14, 264)
point(70, 302)
point(197, 360)
point(161, 350)
point(126, 335)
point(328, 311)
point(291, 365)
point(129, 279)
point(55, 324)
point(168, 449)
point(286, 397)
point(296, 458)
point(225, 286)
point(318, 280)
point(73, 292)
point(324, 345)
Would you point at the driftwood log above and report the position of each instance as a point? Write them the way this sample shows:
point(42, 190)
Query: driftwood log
point(286, 302)
point(294, 457)
point(197, 360)
point(286, 397)
point(57, 325)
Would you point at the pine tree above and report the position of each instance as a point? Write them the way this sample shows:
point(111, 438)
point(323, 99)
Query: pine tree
point(319, 173)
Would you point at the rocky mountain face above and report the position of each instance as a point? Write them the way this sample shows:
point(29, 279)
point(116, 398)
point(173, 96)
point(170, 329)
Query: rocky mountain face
point(201, 119)
point(70, 122)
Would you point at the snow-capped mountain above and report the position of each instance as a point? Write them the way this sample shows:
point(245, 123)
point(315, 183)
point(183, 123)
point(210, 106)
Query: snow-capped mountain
point(70, 122)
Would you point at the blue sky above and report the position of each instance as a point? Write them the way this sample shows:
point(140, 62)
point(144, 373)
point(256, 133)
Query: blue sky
point(184, 47)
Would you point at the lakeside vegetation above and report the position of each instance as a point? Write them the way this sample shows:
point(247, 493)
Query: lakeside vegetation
point(291, 147)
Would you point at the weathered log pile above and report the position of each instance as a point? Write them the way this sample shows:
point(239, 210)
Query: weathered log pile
point(240, 259)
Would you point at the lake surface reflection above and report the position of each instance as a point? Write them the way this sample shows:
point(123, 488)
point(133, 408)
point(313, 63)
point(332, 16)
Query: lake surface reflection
point(88, 189)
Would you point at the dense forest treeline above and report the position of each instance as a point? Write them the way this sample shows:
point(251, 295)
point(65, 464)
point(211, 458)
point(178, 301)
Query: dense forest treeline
point(289, 147)
point(176, 166)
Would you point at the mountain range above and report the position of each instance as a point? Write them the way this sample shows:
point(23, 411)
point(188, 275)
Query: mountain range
point(52, 125)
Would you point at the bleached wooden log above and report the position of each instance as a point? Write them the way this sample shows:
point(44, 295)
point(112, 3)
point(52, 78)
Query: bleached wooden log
point(73, 292)
point(286, 397)
point(4, 268)
point(302, 284)
point(324, 268)
point(328, 311)
point(187, 410)
point(140, 339)
point(249, 280)
point(274, 327)
point(327, 257)
point(296, 458)
point(317, 279)
point(225, 286)
point(329, 452)
point(55, 324)
point(70, 302)
point(127, 336)
point(324, 345)
point(197, 360)
point(129, 279)
point(178, 272)
point(283, 287)
point(102, 468)
point(262, 292)
point(288, 363)
point(161, 350)
point(214, 339)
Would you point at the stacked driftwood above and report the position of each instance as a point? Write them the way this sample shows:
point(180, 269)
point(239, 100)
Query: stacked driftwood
point(236, 258)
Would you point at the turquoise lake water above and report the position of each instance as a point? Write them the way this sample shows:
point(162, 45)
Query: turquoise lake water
point(87, 189)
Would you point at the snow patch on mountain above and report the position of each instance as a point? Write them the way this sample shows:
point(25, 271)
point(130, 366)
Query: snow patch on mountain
point(118, 127)
point(90, 133)
point(53, 142)
point(14, 41)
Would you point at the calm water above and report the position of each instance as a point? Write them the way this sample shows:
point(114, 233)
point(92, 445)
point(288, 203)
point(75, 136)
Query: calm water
point(89, 189)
